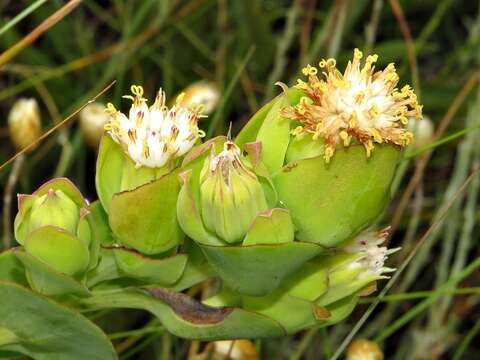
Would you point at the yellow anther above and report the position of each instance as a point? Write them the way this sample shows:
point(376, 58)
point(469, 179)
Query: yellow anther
point(309, 70)
point(201, 133)
point(301, 85)
point(329, 63)
point(369, 147)
point(376, 135)
point(390, 67)
point(298, 131)
point(374, 111)
point(419, 110)
point(329, 151)
point(146, 150)
point(340, 83)
point(137, 90)
point(372, 58)
point(357, 54)
point(391, 76)
point(108, 127)
point(359, 96)
point(345, 137)
point(353, 120)
point(110, 109)
point(180, 97)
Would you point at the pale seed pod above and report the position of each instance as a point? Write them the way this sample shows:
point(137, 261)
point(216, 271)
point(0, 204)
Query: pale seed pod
point(235, 350)
point(423, 130)
point(201, 93)
point(24, 123)
point(92, 121)
point(363, 349)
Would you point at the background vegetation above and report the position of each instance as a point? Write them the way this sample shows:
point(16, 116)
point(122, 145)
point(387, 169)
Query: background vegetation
point(432, 310)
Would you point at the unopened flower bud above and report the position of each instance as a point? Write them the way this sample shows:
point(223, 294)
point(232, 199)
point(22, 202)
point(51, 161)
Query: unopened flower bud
point(24, 122)
point(92, 122)
point(52, 225)
point(55, 209)
point(235, 350)
point(231, 195)
point(203, 93)
point(363, 349)
point(423, 130)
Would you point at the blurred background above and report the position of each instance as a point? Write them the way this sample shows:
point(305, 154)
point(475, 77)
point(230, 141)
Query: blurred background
point(63, 53)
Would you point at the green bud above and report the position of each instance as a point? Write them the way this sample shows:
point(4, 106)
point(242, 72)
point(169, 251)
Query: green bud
point(231, 195)
point(53, 226)
point(56, 209)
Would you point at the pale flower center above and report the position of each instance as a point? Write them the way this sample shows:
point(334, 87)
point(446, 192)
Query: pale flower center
point(153, 136)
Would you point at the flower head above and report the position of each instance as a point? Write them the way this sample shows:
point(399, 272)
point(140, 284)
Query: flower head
point(361, 104)
point(152, 136)
point(24, 122)
point(231, 194)
point(202, 92)
point(92, 122)
point(373, 261)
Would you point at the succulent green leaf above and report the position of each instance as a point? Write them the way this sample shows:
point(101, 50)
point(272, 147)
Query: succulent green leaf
point(292, 313)
point(275, 136)
point(250, 130)
point(107, 269)
point(197, 268)
point(44, 330)
point(330, 203)
point(188, 213)
point(59, 249)
point(133, 176)
point(271, 227)
point(254, 151)
point(257, 270)
point(108, 177)
point(340, 309)
point(145, 218)
point(336, 293)
point(309, 282)
point(11, 269)
point(101, 227)
point(163, 271)
point(22, 227)
point(186, 318)
point(65, 186)
point(304, 147)
point(46, 280)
